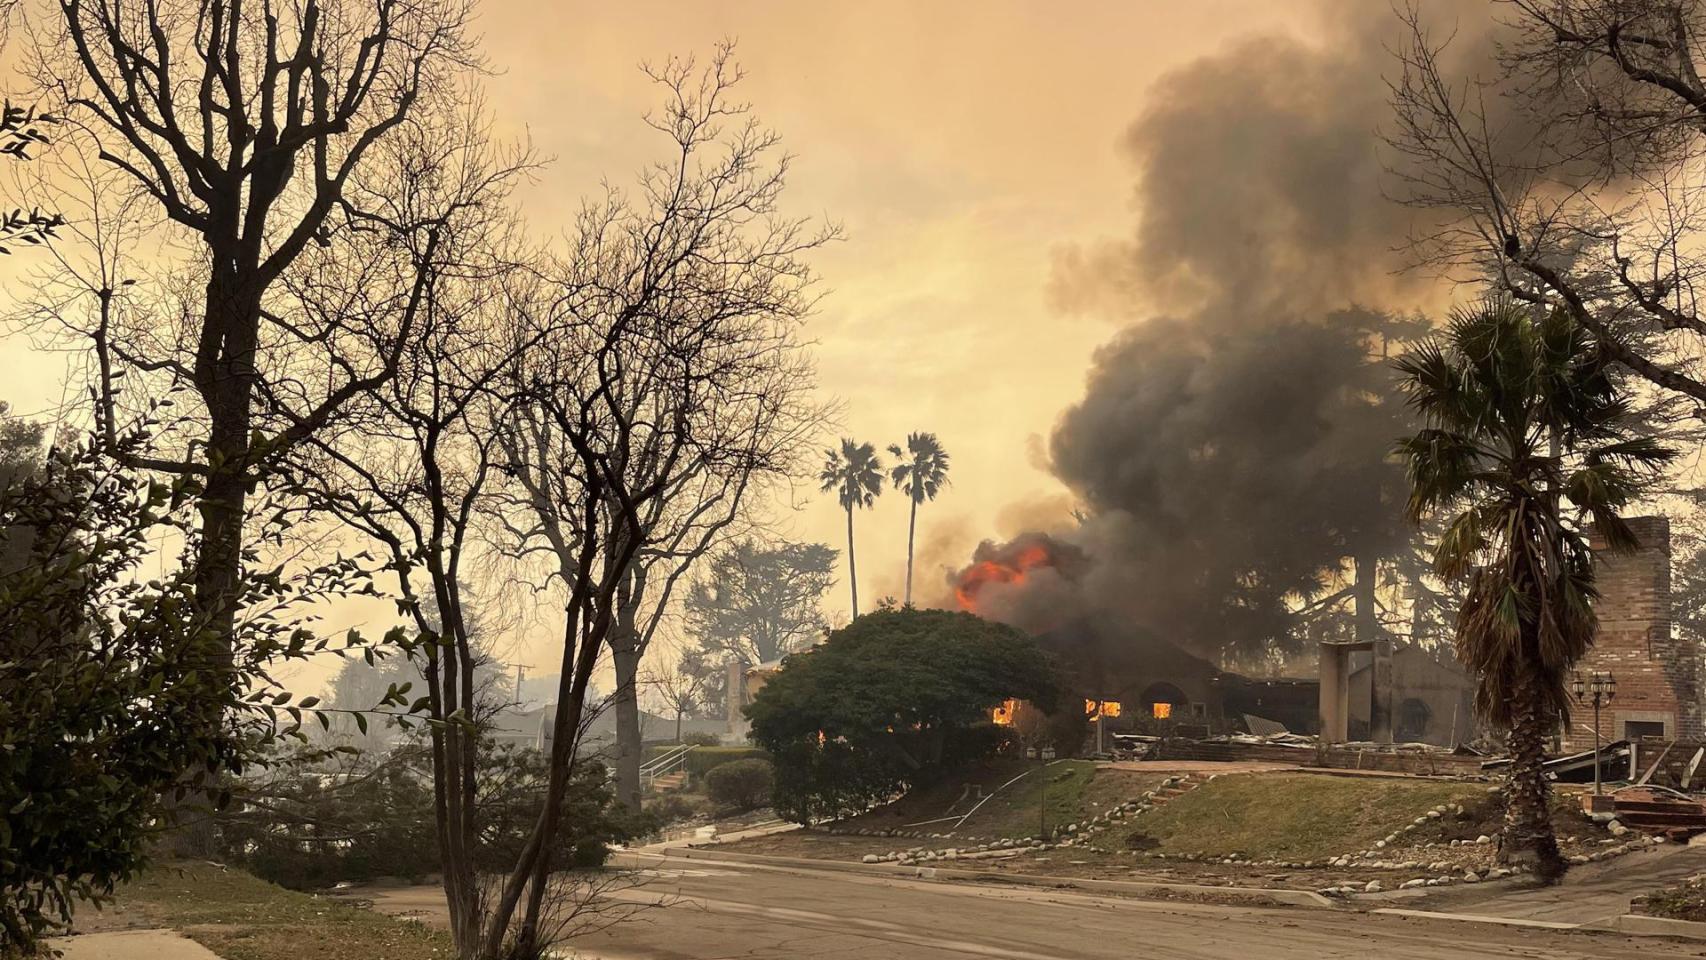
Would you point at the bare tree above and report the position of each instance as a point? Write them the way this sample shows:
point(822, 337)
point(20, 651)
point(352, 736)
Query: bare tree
point(248, 126)
point(408, 465)
point(675, 381)
point(1564, 170)
point(680, 691)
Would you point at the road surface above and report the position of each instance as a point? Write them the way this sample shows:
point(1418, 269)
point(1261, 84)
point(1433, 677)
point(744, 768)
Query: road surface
point(701, 910)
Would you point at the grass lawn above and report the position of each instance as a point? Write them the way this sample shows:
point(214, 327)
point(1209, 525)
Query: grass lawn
point(1071, 790)
point(1292, 816)
point(241, 917)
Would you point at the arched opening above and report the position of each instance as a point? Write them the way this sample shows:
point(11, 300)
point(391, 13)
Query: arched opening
point(1163, 701)
point(1413, 718)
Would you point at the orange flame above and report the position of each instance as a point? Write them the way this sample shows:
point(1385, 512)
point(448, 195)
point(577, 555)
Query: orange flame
point(1007, 569)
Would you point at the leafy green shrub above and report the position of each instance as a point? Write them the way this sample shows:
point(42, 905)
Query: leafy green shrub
point(374, 818)
point(1067, 731)
point(742, 784)
point(118, 708)
point(895, 698)
point(701, 738)
point(670, 808)
point(976, 742)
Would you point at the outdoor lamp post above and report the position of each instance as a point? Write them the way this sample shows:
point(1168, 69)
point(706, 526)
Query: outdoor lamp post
point(1598, 688)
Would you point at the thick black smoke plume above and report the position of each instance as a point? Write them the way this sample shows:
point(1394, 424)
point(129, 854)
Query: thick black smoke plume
point(1230, 452)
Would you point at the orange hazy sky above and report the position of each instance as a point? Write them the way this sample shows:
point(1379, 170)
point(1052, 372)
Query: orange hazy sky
point(961, 145)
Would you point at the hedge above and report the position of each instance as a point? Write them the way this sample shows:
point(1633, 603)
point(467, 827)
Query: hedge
point(702, 759)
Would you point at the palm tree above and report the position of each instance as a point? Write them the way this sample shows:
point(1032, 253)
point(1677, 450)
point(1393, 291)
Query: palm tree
point(1520, 415)
point(856, 475)
point(921, 472)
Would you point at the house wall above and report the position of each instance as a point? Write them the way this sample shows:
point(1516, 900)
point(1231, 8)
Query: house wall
point(1657, 672)
point(1432, 701)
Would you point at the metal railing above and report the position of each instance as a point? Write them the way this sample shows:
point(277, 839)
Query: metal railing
point(663, 766)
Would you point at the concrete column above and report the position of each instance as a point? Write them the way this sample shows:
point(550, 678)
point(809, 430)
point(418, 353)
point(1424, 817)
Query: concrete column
point(1380, 693)
point(736, 687)
point(1335, 694)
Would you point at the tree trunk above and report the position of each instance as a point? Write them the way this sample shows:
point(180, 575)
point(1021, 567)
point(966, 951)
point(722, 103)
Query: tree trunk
point(852, 564)
point(1528, 838)
point(225, 381)
point(911, 530)
point(626, 661)
point(1367, 620)
point(625, 653)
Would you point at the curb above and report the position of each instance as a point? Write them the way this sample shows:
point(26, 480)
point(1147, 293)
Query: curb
point(1641, 926)
point(1629, 924)
point(1480, 918)
point(1293, 898)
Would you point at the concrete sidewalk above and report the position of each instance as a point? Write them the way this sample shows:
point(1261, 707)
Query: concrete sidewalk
point(1591, 894)
point(132, 945)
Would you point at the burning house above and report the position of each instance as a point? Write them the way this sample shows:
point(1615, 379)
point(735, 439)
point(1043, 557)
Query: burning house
point(1375, 690)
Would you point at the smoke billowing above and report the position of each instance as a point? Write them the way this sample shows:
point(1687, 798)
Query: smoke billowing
point(1230, 450)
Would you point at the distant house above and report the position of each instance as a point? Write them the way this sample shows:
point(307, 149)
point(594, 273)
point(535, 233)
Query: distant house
point(532, 728)
point(1154, 680)
point(1148, 677)
point(744, 682)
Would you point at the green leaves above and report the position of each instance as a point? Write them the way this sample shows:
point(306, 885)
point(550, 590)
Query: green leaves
point(1526, 441)
point(113, 693)
point(857, 717)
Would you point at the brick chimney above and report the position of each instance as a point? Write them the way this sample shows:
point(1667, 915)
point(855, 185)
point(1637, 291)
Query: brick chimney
point(1658, 673)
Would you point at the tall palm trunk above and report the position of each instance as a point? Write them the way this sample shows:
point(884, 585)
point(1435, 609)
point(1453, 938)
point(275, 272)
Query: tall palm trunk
point(911, 529)
point(1528, 838)
point(852, 564)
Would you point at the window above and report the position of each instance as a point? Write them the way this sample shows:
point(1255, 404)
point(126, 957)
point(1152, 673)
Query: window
point(1636, 729)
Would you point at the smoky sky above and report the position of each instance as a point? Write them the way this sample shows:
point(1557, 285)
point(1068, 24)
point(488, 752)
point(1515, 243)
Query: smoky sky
point(1230, 450)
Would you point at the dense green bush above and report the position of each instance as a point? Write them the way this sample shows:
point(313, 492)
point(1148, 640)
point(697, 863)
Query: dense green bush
point(1067, 731)
point(670, 808)
point(374, 818)
point(701, 738)
point(742, 784)
point(118, 711)
point(895, 698)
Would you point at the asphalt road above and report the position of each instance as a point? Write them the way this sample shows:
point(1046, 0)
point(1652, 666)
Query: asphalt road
point(701, 910)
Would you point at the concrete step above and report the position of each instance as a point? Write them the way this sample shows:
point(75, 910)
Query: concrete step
point(669, 781)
